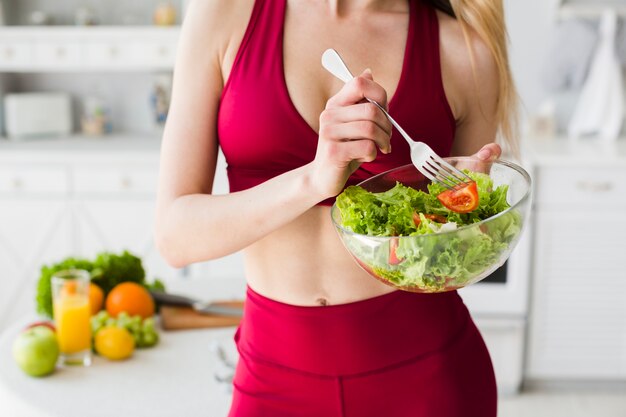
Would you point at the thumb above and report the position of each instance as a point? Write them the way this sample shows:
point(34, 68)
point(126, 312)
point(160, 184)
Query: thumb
point(368, 74)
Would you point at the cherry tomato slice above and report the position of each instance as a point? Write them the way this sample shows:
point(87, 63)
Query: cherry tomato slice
point(462, 199)
point(434, 217)
point(393, 245)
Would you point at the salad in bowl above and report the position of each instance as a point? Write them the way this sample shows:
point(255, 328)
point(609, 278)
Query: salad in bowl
point(418, 236)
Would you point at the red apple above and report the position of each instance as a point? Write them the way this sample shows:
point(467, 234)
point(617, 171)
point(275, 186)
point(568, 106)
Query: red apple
point(48, 324)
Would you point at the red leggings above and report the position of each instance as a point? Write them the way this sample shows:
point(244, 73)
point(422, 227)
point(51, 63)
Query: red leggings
point(396, 355)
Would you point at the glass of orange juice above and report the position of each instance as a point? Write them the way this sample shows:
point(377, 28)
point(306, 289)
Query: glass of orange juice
point(70, 301)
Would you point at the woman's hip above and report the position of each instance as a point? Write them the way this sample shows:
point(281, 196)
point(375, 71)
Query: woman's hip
point(353, 338)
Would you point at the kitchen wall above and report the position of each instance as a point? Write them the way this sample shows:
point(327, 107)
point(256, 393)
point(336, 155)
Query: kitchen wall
point(124, 12)
point(530, 24)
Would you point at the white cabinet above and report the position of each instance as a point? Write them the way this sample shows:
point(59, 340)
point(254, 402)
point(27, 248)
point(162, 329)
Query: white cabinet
point(14, 55)
point(80, 205)
point(578, 310)
point(80, 196)
point(113, 210)
point(87, 49)
point(34, 229)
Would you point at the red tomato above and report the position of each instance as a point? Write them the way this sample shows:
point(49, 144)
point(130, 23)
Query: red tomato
point(393, 245)
point(462, 199)
point(434, 217)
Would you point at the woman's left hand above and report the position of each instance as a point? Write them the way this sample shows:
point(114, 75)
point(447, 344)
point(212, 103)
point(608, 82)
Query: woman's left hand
point(489, 152)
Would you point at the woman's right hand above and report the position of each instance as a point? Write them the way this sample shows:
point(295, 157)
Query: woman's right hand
point(351, 130)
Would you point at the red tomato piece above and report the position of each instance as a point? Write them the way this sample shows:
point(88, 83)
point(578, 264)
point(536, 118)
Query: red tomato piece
point(393, 245)
point(434, 217)
point(463, 199)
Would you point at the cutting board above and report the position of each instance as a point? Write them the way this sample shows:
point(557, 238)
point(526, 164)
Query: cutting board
point(179, 318)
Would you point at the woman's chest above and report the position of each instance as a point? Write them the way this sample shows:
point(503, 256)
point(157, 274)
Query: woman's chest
point(376, 41)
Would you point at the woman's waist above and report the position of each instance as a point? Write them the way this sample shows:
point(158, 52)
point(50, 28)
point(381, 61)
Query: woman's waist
point(309, 283)
point(304, 263)
point(350, 338)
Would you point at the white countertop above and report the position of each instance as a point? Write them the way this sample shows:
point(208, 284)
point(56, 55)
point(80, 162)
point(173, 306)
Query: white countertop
point(175, 378)
point(114, 147)
point(565, 152)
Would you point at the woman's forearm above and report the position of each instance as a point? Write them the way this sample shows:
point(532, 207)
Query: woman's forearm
point(200, 227)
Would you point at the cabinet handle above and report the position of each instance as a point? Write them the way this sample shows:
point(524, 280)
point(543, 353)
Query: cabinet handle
point(126, 183)
point(17, 183)
point(595, 186)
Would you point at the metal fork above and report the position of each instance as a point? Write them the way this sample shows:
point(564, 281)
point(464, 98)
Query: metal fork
point(431, 165)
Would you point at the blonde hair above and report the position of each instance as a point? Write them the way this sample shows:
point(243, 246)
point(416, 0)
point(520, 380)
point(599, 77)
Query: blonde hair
point(486, 18)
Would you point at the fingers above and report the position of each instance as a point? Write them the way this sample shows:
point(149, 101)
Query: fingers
point(357, 150)
point(489, 152)
point(357, 131)
point(357, 90)
point(481, 160)
point(361, 111)
point(356, 122)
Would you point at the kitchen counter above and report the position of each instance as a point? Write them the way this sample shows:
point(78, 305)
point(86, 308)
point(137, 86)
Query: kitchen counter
point(175, 378)
point(118, 147)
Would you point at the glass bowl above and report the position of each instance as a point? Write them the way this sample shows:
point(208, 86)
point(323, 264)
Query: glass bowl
point(448, 260)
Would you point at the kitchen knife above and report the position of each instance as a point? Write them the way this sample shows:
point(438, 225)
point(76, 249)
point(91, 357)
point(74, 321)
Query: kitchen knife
point(199, 306)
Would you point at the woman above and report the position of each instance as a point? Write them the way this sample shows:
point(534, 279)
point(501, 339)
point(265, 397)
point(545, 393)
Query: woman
point(320, 337)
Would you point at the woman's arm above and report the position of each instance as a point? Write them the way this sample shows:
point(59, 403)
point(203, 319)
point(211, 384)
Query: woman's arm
point(191, 224)
point(472, 91)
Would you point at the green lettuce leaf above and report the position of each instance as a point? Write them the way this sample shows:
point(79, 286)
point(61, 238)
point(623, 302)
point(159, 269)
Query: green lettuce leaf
point(430, 260)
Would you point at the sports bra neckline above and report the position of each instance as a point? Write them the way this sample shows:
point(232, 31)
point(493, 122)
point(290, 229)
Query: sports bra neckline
point(406, 61)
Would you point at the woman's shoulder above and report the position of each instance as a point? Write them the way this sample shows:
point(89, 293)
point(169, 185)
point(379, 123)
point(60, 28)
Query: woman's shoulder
point(215, 28)
point(452, 38)
point(464, 73)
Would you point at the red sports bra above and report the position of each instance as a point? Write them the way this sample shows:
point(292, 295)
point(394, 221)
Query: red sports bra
point(262, 134)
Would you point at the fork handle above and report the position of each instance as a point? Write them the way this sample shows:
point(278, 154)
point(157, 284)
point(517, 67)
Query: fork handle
point(393, 122)
point(335, 65)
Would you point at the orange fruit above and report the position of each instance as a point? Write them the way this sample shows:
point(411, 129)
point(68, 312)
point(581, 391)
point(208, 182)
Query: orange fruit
point(114, 343)
point(96, 298)
point(131, 298)
point(69, 288)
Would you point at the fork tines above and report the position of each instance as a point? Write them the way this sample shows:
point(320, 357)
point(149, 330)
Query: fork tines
point(439, 171)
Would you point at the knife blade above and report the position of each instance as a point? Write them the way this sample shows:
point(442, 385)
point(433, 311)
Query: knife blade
point(199, 306)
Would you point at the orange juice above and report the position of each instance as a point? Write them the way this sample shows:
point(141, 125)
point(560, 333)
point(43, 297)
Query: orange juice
point(71, 315)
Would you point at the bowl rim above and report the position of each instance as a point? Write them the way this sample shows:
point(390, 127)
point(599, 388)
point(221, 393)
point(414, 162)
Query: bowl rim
point(503, 162)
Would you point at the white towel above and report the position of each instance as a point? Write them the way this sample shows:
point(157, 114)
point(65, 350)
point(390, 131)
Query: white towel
point(569, 54)
point(600, 108)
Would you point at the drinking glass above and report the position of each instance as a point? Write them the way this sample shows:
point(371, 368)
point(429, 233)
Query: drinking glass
point(70, 300)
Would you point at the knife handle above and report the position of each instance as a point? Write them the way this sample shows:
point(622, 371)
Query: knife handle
point(171, 299)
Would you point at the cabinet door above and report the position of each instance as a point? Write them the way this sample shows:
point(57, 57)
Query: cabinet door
point(14, 55)
point(115, 225)
point(32, 232)
point(578, 321)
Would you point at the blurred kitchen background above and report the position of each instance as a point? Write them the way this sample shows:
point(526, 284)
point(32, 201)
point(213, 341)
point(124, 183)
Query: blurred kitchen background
point(84, 91)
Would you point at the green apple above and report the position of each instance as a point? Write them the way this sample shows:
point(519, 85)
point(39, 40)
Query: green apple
point(36, 350)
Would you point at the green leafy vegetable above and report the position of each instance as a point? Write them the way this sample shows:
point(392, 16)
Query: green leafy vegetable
point(107, 270)
point(44, 285)
point(432, 260)
point(111, 269)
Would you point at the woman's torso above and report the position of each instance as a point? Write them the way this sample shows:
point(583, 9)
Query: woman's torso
point(274, 92)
